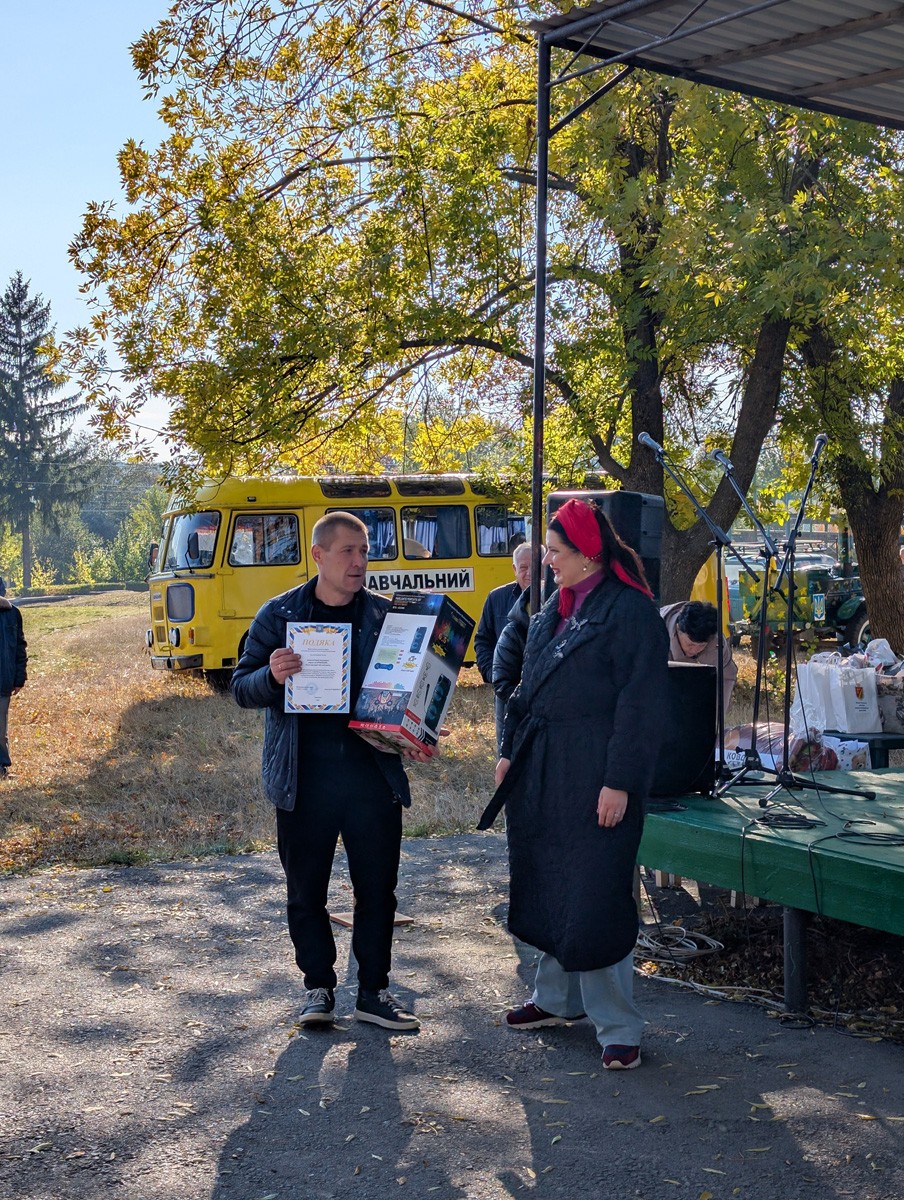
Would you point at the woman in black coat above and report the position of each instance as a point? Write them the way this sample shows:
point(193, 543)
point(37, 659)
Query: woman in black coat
point(581, 738)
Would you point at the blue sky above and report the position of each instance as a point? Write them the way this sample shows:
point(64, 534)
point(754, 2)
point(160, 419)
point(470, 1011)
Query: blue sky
point(70, 99)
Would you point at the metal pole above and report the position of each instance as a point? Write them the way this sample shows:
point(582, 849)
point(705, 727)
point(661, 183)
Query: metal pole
point(544, 62)
point(795, 946)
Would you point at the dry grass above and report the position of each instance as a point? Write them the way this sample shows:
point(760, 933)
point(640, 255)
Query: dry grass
point(449, 794)
point(741, 708)
point(114, 762)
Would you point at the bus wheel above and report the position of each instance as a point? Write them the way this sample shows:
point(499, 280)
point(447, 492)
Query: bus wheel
point(218, 681)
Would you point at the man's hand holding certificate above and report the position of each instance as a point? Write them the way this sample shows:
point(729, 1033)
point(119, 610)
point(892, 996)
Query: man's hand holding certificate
point(314, 667)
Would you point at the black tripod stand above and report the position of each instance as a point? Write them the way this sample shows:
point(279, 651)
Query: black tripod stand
point(784, 776)
point(785, 779)
point(752, 770)
point(722, 542)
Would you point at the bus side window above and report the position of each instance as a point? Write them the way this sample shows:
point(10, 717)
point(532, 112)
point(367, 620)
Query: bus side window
point(264, 539)
point(442, 530)
point(381, 530)
point(281, 534)
point(498, 530)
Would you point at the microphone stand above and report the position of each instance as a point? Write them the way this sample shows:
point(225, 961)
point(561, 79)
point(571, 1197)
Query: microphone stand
point(721, 542)
point(784, 776)
point(752, 761)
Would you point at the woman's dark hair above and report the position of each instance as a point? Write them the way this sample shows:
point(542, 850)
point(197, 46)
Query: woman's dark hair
point(699, 620)
point(613, 547)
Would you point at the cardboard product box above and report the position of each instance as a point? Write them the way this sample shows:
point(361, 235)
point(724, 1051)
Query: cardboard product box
point(412, 675)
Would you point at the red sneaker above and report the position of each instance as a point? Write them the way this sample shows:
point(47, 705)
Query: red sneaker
point(621, 1058)
point(531, 1016)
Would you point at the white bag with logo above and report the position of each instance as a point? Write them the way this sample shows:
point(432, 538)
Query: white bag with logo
point(855, 700)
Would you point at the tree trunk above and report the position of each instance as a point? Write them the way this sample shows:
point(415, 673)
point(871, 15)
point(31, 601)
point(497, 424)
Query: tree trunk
point(874, 515)
point(26, 551)
point(872, 494)
point(684, 551)
point(876, 526)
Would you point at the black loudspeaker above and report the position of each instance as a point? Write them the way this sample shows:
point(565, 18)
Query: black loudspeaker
point(687, 760)
point(637, 519)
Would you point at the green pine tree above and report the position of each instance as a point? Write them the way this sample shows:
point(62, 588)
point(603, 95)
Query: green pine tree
point(44, 469)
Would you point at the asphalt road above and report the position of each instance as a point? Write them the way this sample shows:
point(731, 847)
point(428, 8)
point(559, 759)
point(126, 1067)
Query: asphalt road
point(149, 1052)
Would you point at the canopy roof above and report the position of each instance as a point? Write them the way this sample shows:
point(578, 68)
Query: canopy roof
point(835, 56)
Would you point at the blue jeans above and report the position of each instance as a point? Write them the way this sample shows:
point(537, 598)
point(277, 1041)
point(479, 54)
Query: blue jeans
point(606, 996)
point(4, 738)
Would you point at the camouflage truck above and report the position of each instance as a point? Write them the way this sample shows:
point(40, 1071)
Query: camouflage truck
point(826, 605)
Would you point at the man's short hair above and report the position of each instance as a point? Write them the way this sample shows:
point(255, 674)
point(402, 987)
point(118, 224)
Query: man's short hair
point(698, 620)
point(328, 526)
point(522, 551)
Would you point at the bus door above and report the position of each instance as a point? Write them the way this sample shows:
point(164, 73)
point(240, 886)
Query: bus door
point(266, 554)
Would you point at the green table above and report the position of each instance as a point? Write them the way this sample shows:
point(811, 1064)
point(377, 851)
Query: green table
point(824, 869)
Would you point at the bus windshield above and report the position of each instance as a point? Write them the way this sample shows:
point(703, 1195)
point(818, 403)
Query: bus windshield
point(192, 540)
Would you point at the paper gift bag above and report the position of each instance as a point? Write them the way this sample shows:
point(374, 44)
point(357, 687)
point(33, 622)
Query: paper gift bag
point(814, 701)
point(855, 700)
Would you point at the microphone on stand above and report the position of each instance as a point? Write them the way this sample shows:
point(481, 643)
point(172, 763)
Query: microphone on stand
point(646, 440)
point(720, 457)
point(822, 440)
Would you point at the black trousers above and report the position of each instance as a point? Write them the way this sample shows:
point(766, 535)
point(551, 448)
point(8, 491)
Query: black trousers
point(351, 799)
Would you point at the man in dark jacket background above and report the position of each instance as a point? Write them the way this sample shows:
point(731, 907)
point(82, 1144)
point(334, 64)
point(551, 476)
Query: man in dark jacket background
point(494, 618)
point(326, 782)
point(13, 661)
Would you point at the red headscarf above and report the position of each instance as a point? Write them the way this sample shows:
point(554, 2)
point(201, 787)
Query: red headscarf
point(582, 529)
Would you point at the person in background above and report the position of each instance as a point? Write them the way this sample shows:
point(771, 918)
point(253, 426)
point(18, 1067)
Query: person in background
point(581, 740)
point(493, 619)
point(326, 782)
point(13, 664)
point(509, 655)
point(693, 628)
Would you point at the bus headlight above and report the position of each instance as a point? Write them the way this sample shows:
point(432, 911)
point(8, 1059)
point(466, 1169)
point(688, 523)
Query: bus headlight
point(174, 637)
point(180, 602)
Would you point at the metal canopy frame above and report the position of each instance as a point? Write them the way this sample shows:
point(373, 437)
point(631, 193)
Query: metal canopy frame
point(841, 57)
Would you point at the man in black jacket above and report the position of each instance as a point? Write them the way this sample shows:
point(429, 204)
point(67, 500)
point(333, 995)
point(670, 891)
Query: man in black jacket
point(327, 782)
point(13, 661)
point(494, 618)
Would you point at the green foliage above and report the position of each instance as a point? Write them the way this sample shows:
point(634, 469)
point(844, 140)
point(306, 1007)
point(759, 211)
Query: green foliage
point(82, 568)
point(43, 469)
point(41, 576)
point(329, 260)
point(127, 555)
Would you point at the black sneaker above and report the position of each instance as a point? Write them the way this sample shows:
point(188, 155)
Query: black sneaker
point(380, 1008)
point(319, 1008)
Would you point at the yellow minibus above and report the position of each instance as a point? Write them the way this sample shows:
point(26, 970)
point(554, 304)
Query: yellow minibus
point(233, 545)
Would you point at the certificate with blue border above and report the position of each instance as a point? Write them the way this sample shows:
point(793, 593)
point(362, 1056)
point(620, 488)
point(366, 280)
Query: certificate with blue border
point(322, 684)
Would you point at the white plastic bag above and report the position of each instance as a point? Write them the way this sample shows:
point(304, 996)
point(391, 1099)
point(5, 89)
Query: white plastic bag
point(880, 654)
point(814, 702)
